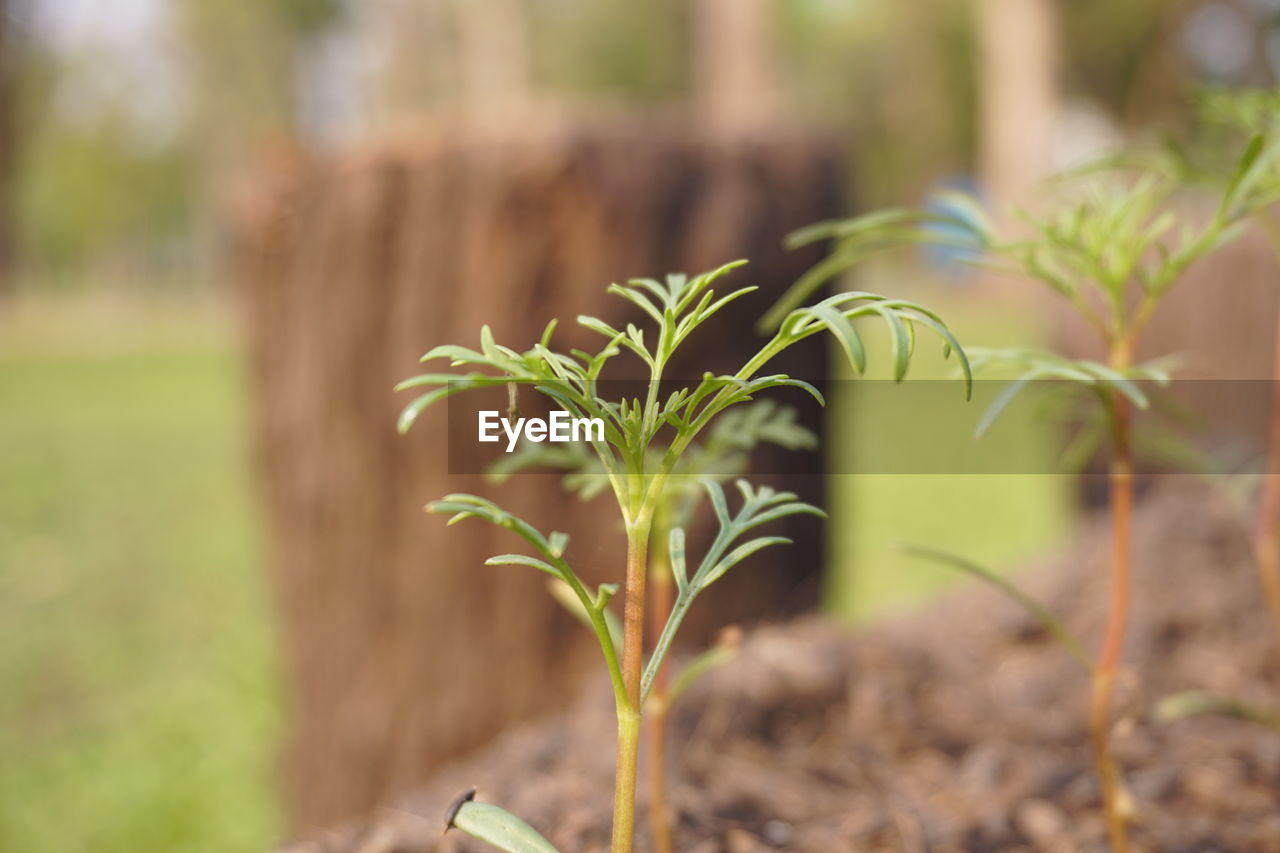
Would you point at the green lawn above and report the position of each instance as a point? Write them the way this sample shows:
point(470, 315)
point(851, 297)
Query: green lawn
point(138, 696)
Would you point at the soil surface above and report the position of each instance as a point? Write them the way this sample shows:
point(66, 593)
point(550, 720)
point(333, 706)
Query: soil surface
point(959, 727)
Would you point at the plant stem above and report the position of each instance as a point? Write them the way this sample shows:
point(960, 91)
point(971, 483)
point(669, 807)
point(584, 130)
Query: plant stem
point(1121, 497)
point(659, 815)
point(1266, 541)
point(663, 595)
point(624, 790)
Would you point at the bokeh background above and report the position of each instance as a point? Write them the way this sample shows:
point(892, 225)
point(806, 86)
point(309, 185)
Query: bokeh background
point(152, 154)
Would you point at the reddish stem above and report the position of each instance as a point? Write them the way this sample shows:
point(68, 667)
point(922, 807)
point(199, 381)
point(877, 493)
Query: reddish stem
point(624, 791)
point(1266, 541)
point(663, 599)
point(1121, 499)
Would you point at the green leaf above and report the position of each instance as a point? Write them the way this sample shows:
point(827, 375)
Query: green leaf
point(865, 223)
point(1047, 620)
point(498, 356)
point(999, 404)
point(714, 657)
point(552, 548)
point(765, 382)
point(865, 236)
point(737, 555)
point(758, 506)
point(410, 412)
point(718, 503)
point(805, 286)
point(949, 346)
point(835, 314)
point(899, 337)
point(547, 332)
point(522, 560)
point(786, 509)
point(1246, 170)
point(498, 827)
point(675, 551)
point(604, 594)
point(639, 299)
point(1195, 703)
point(600, 327)
point(565, 595)
point(1034, 365)
point(456, 354)
point(844, 333)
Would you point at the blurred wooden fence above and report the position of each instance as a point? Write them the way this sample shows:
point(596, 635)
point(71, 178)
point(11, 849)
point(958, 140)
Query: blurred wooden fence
point(401, 649)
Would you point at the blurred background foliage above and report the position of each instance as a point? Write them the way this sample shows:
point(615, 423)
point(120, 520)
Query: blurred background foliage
point(138, 691)
point(127, 116)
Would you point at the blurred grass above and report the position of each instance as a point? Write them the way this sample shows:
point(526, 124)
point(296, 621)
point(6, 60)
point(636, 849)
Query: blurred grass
point(138, 690)
point(997, 520)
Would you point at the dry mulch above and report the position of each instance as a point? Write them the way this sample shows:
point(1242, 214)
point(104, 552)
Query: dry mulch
point(957, 728)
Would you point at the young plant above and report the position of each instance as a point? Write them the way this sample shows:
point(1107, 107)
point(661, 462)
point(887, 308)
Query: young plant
point(724, 455)
point(1113, 249)
point(1110, 254)
point(641, 446)
point(1253, 188)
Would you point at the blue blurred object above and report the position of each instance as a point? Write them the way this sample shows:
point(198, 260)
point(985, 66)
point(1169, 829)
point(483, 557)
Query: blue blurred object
point(955, 250)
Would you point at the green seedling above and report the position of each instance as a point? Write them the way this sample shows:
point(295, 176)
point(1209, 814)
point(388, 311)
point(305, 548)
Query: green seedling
point(1112, 246)
point(723, 456)
point(640, 450)
point(1251, 189)
point(1254, 191)
point(1113, 250)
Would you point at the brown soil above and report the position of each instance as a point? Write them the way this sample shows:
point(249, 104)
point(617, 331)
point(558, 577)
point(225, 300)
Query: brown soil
point(957, 728)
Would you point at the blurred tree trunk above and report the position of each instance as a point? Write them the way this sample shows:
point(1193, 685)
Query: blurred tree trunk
point(415, 40)
point(1017, 95)
point(402, 649)
point(493, 55)
point(734, 66)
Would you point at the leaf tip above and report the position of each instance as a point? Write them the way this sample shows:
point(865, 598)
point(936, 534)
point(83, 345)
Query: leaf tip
point(405, 421)
point(451, 813)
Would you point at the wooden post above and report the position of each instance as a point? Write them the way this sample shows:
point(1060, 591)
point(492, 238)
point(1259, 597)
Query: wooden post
point(396, 636)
